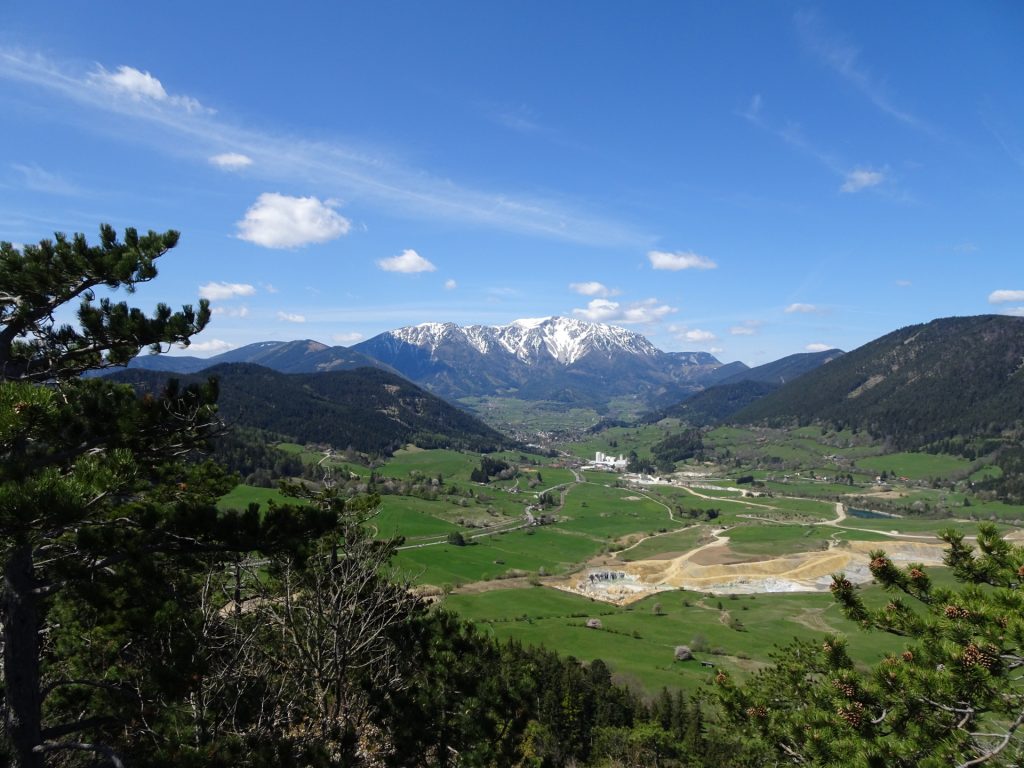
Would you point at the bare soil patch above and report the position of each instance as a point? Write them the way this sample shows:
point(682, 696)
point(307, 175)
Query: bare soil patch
point(719, 556)
point(477, 587)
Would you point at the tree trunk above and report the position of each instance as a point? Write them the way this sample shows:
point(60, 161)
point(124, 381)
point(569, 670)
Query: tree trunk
point(20, 605)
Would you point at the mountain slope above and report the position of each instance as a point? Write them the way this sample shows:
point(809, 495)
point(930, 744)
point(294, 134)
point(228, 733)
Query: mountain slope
point(368, 409)
point(554, 358)
point(957, 376)
point(715, 404)
point(785, 369)
point(302, 356)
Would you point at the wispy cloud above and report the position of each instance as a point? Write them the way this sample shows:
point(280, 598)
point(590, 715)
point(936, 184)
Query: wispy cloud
point(592, 288)
point(862, 178)
point(407, 262)
point(818, 347)
point(242, 311)
point(141, 86)
point(351, 337)
point(289, 317)
point(854, 179)
point(280, 221)
point(216, 291)
point(40, 180)
point(679, 260)
point(1005, 297)
point(341, 169)
point(605, 311)
point(231, 161)
point(450, 285)
point(747, 329)
point(803, 309)
point(519, 118)
point(844, 59)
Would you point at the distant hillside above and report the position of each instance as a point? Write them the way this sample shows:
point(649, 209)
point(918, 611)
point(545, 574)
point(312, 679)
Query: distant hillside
point(715, 404)
point(367, 409)
point(302, 356)
point(954, 377)
point(786, 369)
point(735, 386)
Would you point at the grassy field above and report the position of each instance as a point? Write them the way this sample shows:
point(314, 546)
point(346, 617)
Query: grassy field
point(916, 466)
point(603, 512)
point(777, 540)
point(638, 643)
point(241, 496)
point(529, 551)
point(675, 543)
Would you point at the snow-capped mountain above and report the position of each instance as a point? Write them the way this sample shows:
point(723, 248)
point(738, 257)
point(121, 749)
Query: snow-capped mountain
point(563, 339)
point(557, 358)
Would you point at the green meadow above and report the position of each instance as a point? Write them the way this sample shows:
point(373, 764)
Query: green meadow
point(638, 642)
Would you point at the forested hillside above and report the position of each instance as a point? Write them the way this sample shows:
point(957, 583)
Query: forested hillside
point(366, 409)
point(953, 378)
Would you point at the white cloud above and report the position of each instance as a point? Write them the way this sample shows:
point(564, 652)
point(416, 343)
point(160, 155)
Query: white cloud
point(216, 291)
point(903, 283)
point(699, 335)
point(605, 311)
point(231, 161)
point(141, 86)
point(290, 318)
point(212, 347)
point(347, 338)
point(817, 347)
point(861, 178)
point(450, 285)
point(592, 288)
point(1005, 297)
point(716, 350)
point(1014, 311)
point(800, 308)
point(750, 328)
point(268, 287)
point(408, 262)
point(280, 221)
point(242, 311)
point(679, 260)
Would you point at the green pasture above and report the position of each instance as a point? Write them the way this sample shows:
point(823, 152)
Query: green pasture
point(512, 415)
point(618, 440)
point(612, 512)
point(452, 465)
point(677, 542)
point(990, 472)
point(809, 488)
point(241, 496)
point(526, 550)
point(916, 466)
point(778, 540)
point(638, 644)
point(413, 518)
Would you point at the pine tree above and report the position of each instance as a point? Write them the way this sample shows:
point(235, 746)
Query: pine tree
point(953, 696)
point(105, 528)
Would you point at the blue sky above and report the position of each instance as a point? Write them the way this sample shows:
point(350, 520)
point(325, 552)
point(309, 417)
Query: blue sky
point(752, 179)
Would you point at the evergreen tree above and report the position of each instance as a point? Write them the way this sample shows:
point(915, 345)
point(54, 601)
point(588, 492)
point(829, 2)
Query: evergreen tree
point(954, 696)
point(104, 527)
